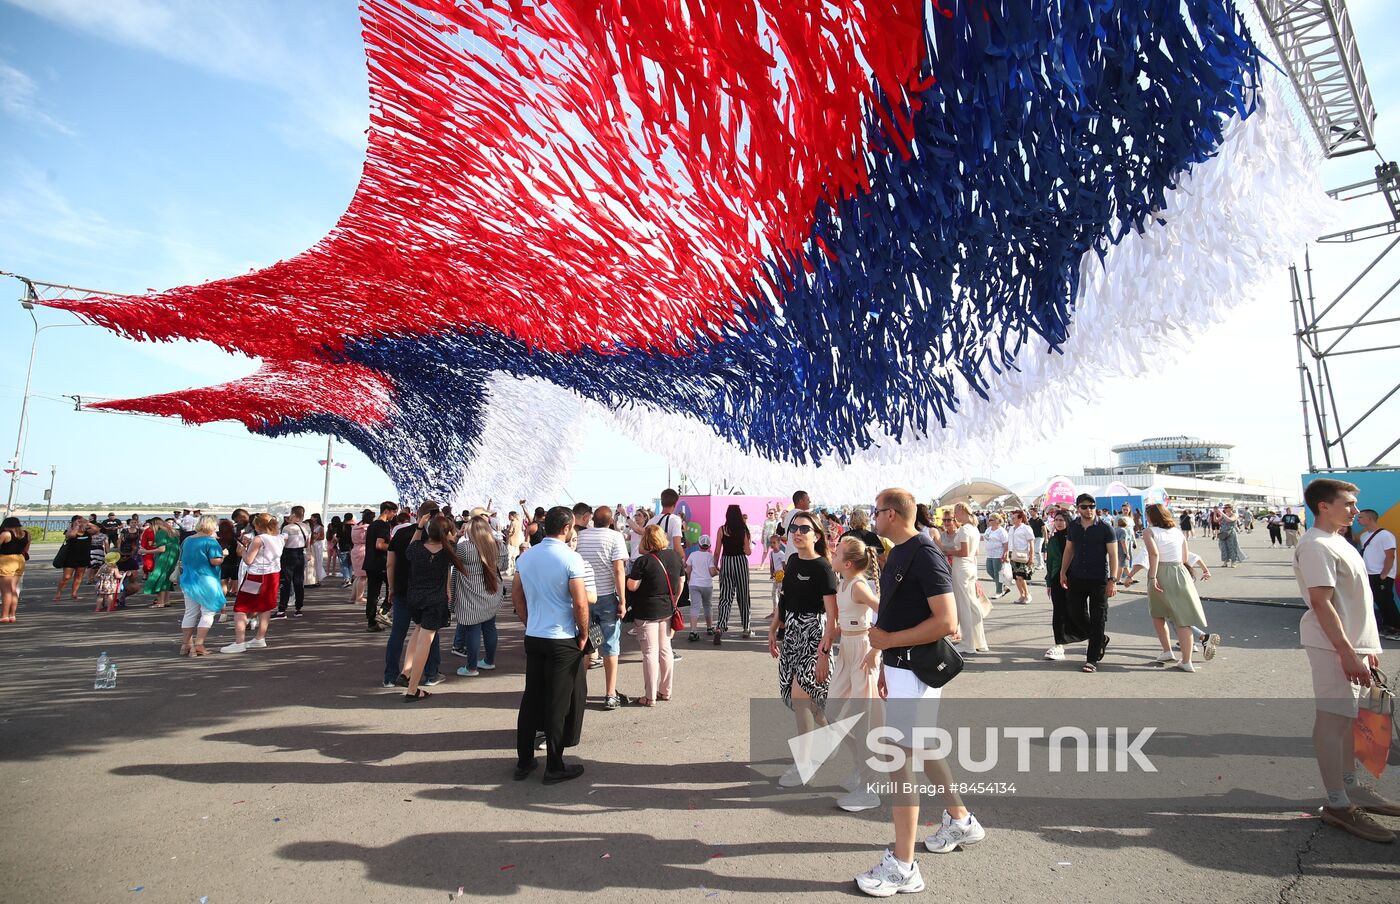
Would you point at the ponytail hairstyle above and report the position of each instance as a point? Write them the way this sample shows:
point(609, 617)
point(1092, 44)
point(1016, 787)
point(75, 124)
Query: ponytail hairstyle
point(479, 529)
point(858, 553)
point(441, 530)
point(265, 523)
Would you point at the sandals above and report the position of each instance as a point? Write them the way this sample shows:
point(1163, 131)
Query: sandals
point(185, 649)
point(662, 698)
point(1089, 668)
point(200, 651)
point(415, 697)
point(694, 636)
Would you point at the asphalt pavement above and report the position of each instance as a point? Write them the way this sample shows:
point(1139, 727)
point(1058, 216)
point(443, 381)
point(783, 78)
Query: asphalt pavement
point(288, 774)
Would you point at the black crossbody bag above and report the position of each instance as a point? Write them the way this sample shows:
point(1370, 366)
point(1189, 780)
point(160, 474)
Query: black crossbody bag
point(935, 664)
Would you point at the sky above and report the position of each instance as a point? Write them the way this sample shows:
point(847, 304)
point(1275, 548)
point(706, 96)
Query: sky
point(146, 144)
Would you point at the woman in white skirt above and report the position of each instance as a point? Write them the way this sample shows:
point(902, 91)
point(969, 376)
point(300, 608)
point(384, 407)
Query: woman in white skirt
point(315, 571)
point(855, 681)
point(963, 558)
point(1171, 592)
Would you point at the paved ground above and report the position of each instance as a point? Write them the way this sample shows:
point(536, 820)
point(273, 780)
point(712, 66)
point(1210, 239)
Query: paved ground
point(288, 775)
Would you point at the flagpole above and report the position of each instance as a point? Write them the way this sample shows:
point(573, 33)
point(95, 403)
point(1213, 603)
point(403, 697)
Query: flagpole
point(326, 492)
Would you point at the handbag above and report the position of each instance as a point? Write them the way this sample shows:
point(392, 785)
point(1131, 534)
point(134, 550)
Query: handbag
point(677, 620)
point(58, 556)
point(1374, 732)
point(935, 664)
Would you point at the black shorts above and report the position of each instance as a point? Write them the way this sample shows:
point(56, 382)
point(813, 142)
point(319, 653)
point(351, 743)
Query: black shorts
point(432, 618)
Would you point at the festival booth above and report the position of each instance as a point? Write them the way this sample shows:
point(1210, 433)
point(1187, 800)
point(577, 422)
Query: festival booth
point(1054, 493)
point(1115, 494)
point(704, 514)
point(979, 492)
point(1377, 489)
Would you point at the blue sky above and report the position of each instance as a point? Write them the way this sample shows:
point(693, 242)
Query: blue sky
point(153, 143)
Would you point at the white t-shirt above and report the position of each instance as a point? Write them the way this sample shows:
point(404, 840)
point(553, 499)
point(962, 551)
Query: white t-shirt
point(1375, 551)
point(967, 534)
point(295, 535)
point(188, 523)
point(1324, 559)
point(1022, 538)
point(995, 540)
point(672, 524)
point(1170, 542)
point(699, 563)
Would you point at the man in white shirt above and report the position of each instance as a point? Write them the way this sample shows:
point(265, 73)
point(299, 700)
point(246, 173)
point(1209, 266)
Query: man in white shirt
point(995, 541)
point(604, 549)
point(1378, 549)
point(699, 577)
point(1020, 552)
point(672, 525)
point(1339, 634)
point(295, 538)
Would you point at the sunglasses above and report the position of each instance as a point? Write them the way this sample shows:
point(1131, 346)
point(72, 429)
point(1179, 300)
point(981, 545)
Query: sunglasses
point(1086, 507)
point(802, 528)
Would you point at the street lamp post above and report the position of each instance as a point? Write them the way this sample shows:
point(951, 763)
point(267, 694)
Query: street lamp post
point(48, 513)
point(27, 302)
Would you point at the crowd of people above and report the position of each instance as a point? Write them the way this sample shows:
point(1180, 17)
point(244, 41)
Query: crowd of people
point(855, 591)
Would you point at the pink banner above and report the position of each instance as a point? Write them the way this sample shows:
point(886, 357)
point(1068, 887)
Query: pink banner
point(1060, 492)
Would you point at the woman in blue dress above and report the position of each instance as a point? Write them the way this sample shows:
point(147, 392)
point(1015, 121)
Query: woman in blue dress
point(201, 555)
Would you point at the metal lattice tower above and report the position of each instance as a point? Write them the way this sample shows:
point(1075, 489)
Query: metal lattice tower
point(1318, 50)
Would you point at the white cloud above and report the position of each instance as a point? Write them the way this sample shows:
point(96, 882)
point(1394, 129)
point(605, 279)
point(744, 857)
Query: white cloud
point(290, 48)
point(19, 98)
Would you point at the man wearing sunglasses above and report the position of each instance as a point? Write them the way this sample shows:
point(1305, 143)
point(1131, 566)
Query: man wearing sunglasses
point(1089, 575)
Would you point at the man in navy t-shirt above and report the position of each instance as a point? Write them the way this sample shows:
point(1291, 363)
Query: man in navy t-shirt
point(916, 607)
point(1090, 574)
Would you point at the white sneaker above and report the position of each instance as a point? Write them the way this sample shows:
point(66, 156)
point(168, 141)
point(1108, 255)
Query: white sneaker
point(858, 800)
point(1184, 666)
point(1166, 656)
point(890, 877)
point(1210, 643)
point(234, 648)
point(257, 643)
point(950, 836)
point(792, 778)
point(1055, 653)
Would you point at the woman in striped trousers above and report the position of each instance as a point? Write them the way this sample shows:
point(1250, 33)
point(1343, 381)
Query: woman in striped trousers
point(735, 545)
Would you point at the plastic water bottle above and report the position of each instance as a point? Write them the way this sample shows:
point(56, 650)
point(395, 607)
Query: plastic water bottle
point(106, 673)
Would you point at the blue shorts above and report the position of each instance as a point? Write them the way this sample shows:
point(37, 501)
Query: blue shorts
point(604, 613)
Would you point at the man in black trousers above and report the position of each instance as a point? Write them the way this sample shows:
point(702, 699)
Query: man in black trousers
point(1090, 575)
point(551, 599)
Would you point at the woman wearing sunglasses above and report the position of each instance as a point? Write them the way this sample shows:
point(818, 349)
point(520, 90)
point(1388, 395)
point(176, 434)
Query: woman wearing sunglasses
point(807, 613)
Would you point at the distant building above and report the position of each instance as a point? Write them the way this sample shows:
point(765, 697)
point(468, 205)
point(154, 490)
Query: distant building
point(1190, 470)
point(1188, 456)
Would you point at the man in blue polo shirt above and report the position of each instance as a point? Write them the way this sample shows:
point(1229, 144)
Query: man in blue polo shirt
point(1090, 574)
point(551, 599)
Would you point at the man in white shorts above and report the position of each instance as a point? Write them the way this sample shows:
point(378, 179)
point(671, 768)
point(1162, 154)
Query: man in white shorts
point(916, 607)
point(1339, 634)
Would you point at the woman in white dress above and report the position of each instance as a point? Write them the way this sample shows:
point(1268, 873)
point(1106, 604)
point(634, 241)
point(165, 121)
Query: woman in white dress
point(316, 552)
point(963, 557)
